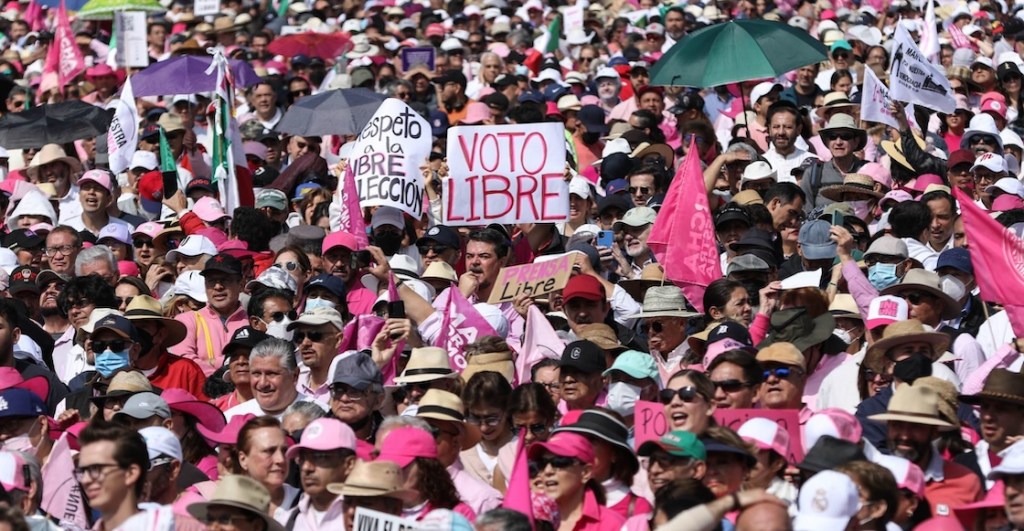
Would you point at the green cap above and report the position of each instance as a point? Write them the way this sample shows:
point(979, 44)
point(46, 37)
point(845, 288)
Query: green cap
point(636, 364)
point(676, 443)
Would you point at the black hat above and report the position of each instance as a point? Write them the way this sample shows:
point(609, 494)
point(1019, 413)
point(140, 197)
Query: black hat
point(731, 330)
point(619, 201)
point(584, 356)
point(732, 213)
point(225, 263)
point(451, 76)
point(502, 81)
point(711, 445)
point(496, 101)
point(23, 279)
point(600, 424)
point(442, 234)
point(200, 183)
point(247, 337)
point(830, 452)
point(23, 239)
point(616, 166)
point(689, 101)
point(593, 119)
point(263, 176)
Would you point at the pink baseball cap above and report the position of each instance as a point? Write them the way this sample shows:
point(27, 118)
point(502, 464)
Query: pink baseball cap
point(403, 445)
point(878, 173)
point(12, 471)
point(1007, 202)
point(127, 268)
point(434, 30)
point(204, 412)
point(476, 112)
point(340, 239)
point(10, 378)
point(229, 433)
point(566, 444)
point(908, 475)
point(970, 513)
point(149, 228)
point(766, 435)
point(209, 209)
point(885, 310)
point(326, 434)
point(994, 102)
point(832, 421)
point(100, 177)
point(898, 196)
point(918, 185)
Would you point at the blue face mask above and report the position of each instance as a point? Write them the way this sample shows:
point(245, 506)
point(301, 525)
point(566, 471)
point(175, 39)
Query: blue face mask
point(882, 276)
point(108, 362)
point(312, 304)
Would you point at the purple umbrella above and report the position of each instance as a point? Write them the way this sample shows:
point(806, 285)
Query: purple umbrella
point(186, 74)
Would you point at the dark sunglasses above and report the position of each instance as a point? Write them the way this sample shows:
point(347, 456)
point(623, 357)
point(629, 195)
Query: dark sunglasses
point(686, 394)
point(983, 139)
point(421, 386)
point(437, 249)
point(315, 337)
point(841, 56)
point(305, 92)
point(277, 317)
point(644, 190)
point(730, 386)
point(656, 326)
point(139, 244)
point(779, 372)
point(124, 300)
point(844, 136)
point(871, 375)
point(535, 429)
point(116, 345)
point(173, 243)
point(917, 297)
point(557, 461)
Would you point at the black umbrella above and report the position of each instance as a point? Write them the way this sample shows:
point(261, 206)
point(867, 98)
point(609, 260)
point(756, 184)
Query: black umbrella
point(56, 123)
point(335, 112)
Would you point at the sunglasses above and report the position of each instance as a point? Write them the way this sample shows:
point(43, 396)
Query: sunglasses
point(277, 317)
point(116, 345)
point(315, 337)
point(983, 139)
point(730, 386)
point(882, 378)
point(436, 249)
point(656, 326)
point(420, 386)
point(290, 266)
point(139, 244)
point(557, 461)
point(124, 300)
point(536, 429)
point(644, 190)
point(917, 297)
point(687, 394)
point(841, 56)
point(780, 372)
point(842, 136)
point(306, 92)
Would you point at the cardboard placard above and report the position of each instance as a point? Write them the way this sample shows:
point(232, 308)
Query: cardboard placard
point(650, 424)
point(387, 157)
point(370, 520)
point(131, 39)
point(416, 57)
point(535, 279)
point(506, 174)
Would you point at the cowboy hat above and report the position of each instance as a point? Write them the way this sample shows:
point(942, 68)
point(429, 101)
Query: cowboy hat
point(796, 326)
point(844, 122)
point(651, 275)
point(240, 492)
point(853, 183)
point(52, 153)
point(844, 307)
point(901, 333)
point(361, 47)
point(664, 301)
point(373, 478)
point(426, 364)
point(144, 307)
point(442, 405)
point(499, 362)
point(834, 101)
point(930, 282)
point(1001, 385)
point(916, 405)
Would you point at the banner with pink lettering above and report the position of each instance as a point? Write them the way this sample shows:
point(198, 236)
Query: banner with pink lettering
point(506, 174)
point(461, 324)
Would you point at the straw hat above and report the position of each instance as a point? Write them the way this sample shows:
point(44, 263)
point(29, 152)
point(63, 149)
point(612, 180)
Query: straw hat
point(835, 100)
point(1001, 385)
point(439, 270)
point(916, 405)
point(373, 478)
point(52, 153)
point(844, 306)
point(698, 342)
point(240, 492)
point(499, 362)
point(601, 335)
point(224, 25)
point(126, 383)
point(664, 301)
point(853, 183)
point(927, 281)
point(651, 275)
point(427, 364)
point(895, 151)
point(845, 122)
point(442, 405)
point(647, 148)
point(901, 333)
point(146, 308)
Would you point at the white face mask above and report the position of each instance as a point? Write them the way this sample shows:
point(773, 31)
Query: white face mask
point(20, 443)
point(279, 329)
point(622, 397)
point(844, 335)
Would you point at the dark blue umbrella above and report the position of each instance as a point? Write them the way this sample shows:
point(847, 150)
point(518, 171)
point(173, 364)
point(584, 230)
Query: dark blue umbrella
point(53, 123)
point(70, 5)
point(335, 112)
point(186, 74)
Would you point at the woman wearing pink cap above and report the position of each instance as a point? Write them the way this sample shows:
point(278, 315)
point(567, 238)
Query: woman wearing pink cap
point(565, 465)
point(415, 450)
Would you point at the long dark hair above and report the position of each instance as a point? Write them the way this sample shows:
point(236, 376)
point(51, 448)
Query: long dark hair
point(435, 484)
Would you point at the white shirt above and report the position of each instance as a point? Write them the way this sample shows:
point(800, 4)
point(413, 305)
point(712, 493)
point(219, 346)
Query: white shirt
point(785, 164)
point(69, 205)
point(252, 406)
point(922, 253)
point(77, 223)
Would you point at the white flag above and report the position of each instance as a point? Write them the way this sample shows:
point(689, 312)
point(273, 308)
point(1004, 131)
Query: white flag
point(123, 135)
point(913, 79)
point(930, 37)
point(874, 103)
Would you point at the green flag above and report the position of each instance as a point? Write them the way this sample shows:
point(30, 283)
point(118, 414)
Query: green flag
point(168, 167)
point(282, 8)
point(554, 34)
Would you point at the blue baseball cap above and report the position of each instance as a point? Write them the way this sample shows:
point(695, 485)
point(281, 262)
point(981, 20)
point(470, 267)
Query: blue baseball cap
point(554, 91)
point(615, 186)
point(16, 402)
point(438, 123)
point(531, 96)
point(958, 258)
point(816, 242)
point(329, 282)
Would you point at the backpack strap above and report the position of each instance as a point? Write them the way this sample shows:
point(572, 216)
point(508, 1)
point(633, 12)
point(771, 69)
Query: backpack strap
point(202, 327)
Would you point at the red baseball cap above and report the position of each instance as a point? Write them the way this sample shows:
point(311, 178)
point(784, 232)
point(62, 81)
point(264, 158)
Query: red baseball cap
point(584, 287)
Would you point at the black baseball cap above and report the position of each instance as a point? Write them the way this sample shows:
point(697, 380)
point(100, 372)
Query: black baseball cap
point(687, 102)
point(264, 175)
point(200, 183)
point(441, 234)
point(23, 279)
point(593, 119)
point(23, 239)
point(584, 356)
point(496, 100)
point(732, 213)
point(451, 76)
point(246, 337)
point(619, 201)
point(224, 263)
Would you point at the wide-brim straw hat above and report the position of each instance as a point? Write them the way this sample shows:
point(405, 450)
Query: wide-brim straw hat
point(664, 301)
point(853, 183)
point(844, 122)
point(901, 333)
point(426, 364)
point(144, 307)
point(442, 405)
point(835, 101)
point(240, 492)
point(53, 153)
point(916, 405)
point(651, 275)
point(373, 478)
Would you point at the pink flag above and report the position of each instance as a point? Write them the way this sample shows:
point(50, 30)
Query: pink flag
point(998, 258)
point(64, 57)
point(959, 39)
point(34, 16)
point(539, 342)
point(62, 495)
point(391, 369)
point(683, 236)
point(360, 332)
point(518, 497)
point(352, 220)
point(461, 324)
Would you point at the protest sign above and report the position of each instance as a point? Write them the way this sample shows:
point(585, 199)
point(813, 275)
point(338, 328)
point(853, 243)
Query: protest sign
point(370, 520)
point(387, 156)
point(63, 498)
point(506, 174)
point(418, 57)
point(535, 279)
point(915, 80)
point(122, 136)
point(131, 39)
point(875, 101)
point(573, 16)
point(201, 8)
point(649, 422)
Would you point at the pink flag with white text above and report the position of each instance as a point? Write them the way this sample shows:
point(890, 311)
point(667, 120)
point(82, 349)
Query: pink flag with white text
point(63, 498)
point(540, 341)
point(683, 235)
point(352, 220)
point(998, 259)
point(461, 324)
point(64, 58)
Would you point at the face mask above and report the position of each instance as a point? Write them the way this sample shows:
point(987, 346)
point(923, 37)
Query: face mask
point(108, 362)
point(279, 329)
point(622, 397)
point(389, 242)
point(844, 335)
point(312, 304)
point(861, 209)
point(726, 195)
point(20, 443)
point(916, 366)
point(522, 70)
point(882, 276)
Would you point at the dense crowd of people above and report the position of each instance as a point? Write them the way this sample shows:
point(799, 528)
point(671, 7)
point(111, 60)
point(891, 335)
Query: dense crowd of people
point(170, 363)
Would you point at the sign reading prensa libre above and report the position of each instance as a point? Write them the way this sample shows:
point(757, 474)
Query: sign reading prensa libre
point(506, 174)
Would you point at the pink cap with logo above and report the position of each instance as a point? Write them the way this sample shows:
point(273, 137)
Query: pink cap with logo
point(832, 421)
point(885, 310)
point(100, 177)
point(324, 435)
point(149, 228)
point(766, 435)
point(209, 210)
point(995, 103)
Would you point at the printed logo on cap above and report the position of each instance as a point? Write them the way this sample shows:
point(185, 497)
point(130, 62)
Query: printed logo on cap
point(3, 404)
point(722, 329)
point(242, 334)
point(820, 500)
point(434, 231)
point(313, 431)
point(108, 321)
point(888, 309)
point(575, 353)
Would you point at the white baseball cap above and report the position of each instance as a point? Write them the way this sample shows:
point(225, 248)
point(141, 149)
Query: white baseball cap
point(1009, 185)
point(143, 159)
point(827, 501)
point(993, 162)
point(192, 284)
point(192, 245)
point(766, 435)
point(762, 89)
point(1012, 464)
point(161, 441)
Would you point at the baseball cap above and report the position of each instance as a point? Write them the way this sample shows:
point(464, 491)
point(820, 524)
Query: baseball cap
point(584, 287)
point(763, 89)
point(339, 239)
point(958, 258)
point(442, 234)
point(209, 209)
point(827, 501)
point(118, 232)
point(17, 402)
point(246, 337)
point(117, 324)
point(160, 442)
point(635, 364)
point(98, 176)
point(200, 183)
point(732, 213)
point(888, 246)
point(357, 370)
point(225, 263)
point(676, 443)
point(403, 445)
point(636, 217)
point(765, 435)
point(143, 159)
point(12, 472)
point(329, 282)
point(728, 335)
point(145, 405)
point(833, 422)
point(908, 475)
point(995, 163)
point(323, 435)
point(272, 198)
point(317, 317)
point(386, 215)
point(23, 239)
point(451, 76)
point(193, 245)
point(22, 279)
point(816, 242)
point(584, 356)
point(274, 277)
point(747, 262)
point(885, 310)
point(566, 444)
point(1008, 185)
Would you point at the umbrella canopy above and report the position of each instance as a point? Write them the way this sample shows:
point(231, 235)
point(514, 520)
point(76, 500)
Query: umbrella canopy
point(186, 74)
point(56, 123)
point(104, 9)
point(734, 51)
point(335, 112)
point(70, 5)
point(310, 43)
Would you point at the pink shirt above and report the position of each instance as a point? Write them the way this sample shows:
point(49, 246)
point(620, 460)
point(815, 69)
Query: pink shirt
point(195, 345)
point(597, 517)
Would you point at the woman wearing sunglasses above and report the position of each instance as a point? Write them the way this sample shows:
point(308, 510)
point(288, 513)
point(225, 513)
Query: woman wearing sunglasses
point(564, 465)
point(688, 401)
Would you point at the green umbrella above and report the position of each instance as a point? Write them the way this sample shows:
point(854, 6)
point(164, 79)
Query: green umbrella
point(734, 51)
point(104, 9)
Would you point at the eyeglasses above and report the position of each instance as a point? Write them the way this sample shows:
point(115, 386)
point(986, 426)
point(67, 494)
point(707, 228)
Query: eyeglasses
point(403, 95)
point(418, 386)
point(983, 139)
point(116, 345)
point(436, 249)
point(338, 391)
point(846, 137)
point(319, 458)
point(644, 190)
point(687, 394)
point(780, 372)
point(841, 56)
point(124, 300)
point(655, 326)
point(491, 421)
point(95, 472)
point(139, 244)
point(535, 429)
point(697, 138)
point(557, 461)
point(730, 386)
point(314, 337)
point(881, 377)
point(551, 386)
point(277, 317)
point(917, 297)
point(290, 266)
point(65, 250)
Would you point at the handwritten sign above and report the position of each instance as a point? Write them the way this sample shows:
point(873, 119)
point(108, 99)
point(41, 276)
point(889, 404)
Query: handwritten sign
point(418, 57)
point(913, 79)
point(387, 157)
point(875, 102)
point(506, 174)
point(535, 279)
point(370, 520)
point(650, 424)
point(131, 39)
point(202, 8)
